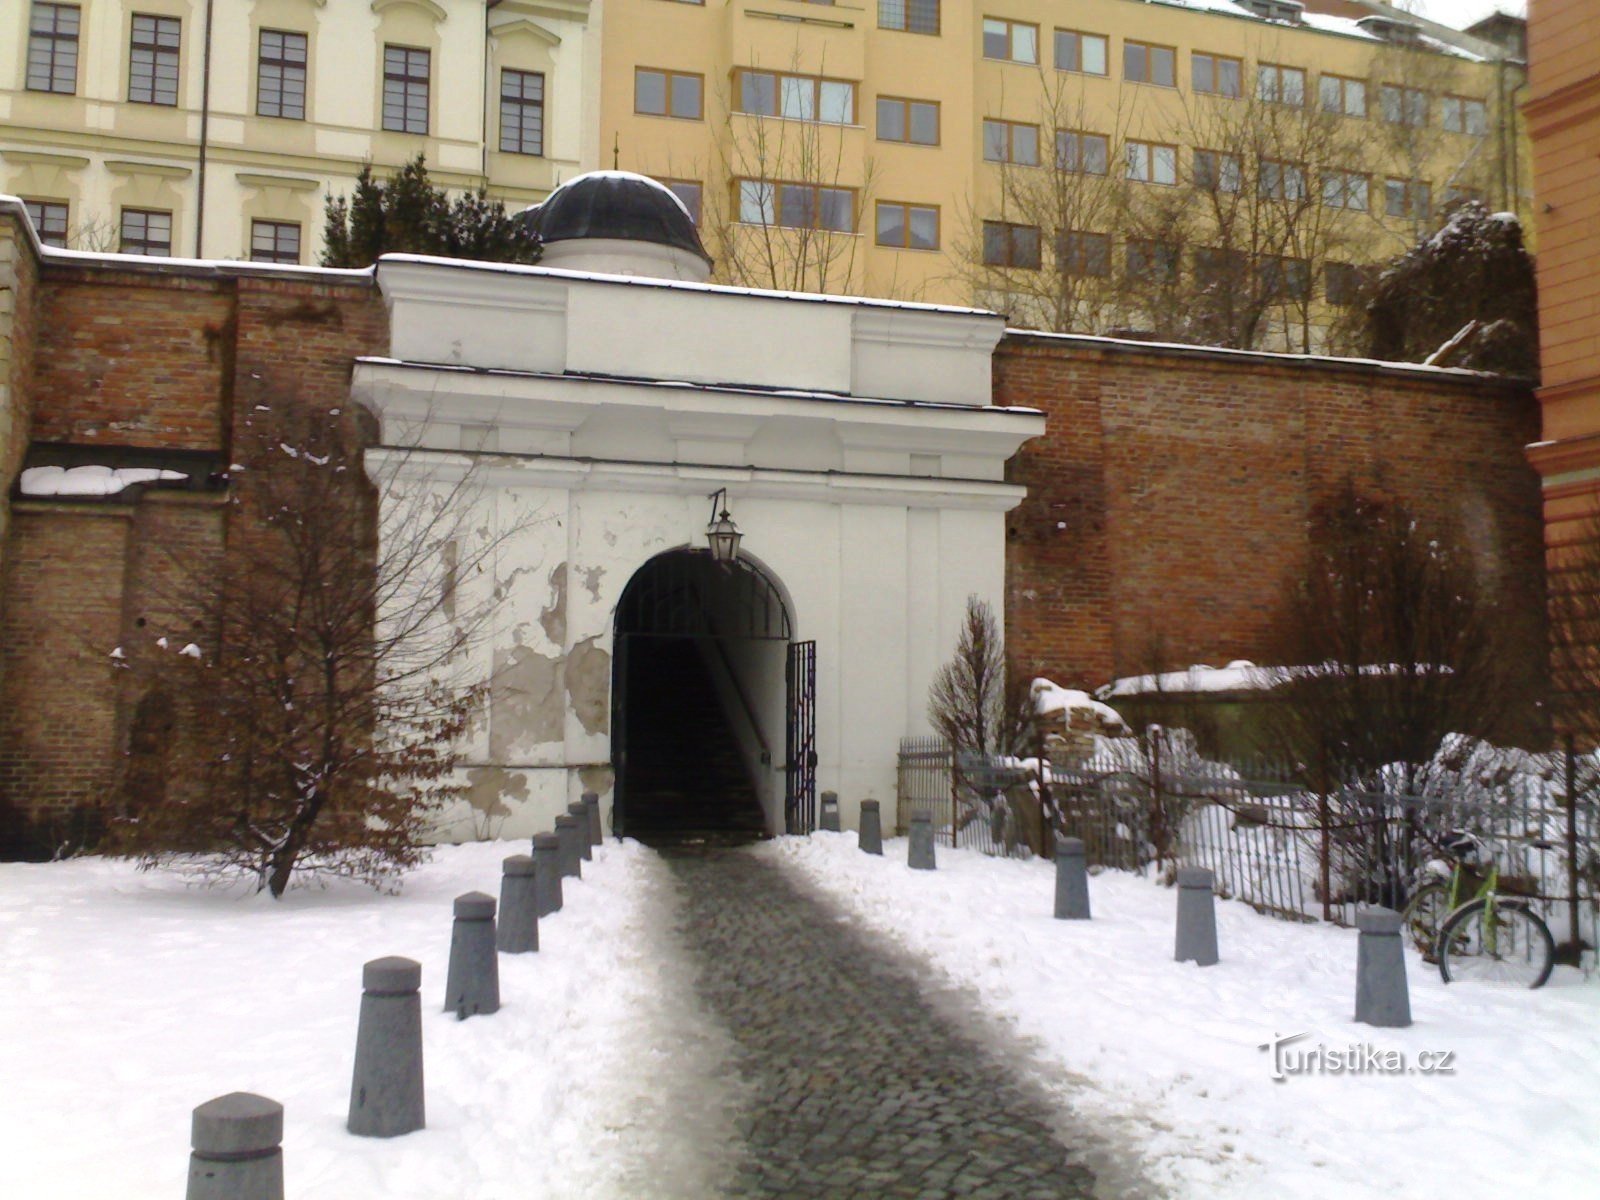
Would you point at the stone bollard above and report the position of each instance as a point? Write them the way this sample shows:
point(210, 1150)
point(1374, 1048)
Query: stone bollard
point(920, 855)
point(238, 1150)
point(517, 931)
point(591, 806)
point(473, 983)
point(871, 836)
point(1072, 880)
point(1197, 917)
point(386, 1088)
point(1381, 994)
point(830, 812)
point(547, 873)
point(580, 814)
point(568, 836)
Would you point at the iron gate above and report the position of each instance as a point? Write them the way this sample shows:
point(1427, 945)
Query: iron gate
point(800, 739)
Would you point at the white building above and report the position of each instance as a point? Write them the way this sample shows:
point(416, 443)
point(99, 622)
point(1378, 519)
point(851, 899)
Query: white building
point(606, 396)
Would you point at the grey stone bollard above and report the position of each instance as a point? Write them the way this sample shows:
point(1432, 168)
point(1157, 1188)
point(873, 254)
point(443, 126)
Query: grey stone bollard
point(1382, 997)
point(580, 814)
point(238, 1149)
point(920, 854)
point(871, 836)
point(1197, 917)
point(473, 983)
point(517, 931)
point(568, 836)
point(547, 873)
point(386, 1087)
point(830, 812)
point(591, 806)
point(1072, 880)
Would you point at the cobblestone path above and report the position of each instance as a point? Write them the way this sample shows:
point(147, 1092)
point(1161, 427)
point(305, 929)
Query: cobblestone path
point(852, 1084)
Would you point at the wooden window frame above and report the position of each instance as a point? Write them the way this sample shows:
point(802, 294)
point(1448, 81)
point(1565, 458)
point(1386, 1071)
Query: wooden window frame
point(1009, 157)
point(1403, 111)
point(1149, 153)
point(1161, 254)
point(1223, 159)
point(147, 48)
point(1345, 82)
point(779, 78)
point(905, 103)
point(275, 229)
point(1078, 168)
point(60, 49)
point(909, 22)
point(1287, 169)
point(1282, 267)
point(697, 212)
point(907, 206)
point(1146, 52)
point(1465, 104)
point(41, 212)
point(777, 187)
point(1411, 191)
point(1216, 61)
point(1011, 40)
point(668, 75)
point(1343, 179)
point(145, 242)
point(519, 105)
point(1079, 35)
point(402, 86)
point(1008, 261)
point(1073, 257)
point(281, 69)
point(1278, 93)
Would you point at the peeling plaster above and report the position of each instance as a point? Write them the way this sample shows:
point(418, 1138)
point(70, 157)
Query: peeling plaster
point(554, 616)
point(591, 580)
point(596, 779)
point(589, 685)
point(525, 702)
point(489, 787)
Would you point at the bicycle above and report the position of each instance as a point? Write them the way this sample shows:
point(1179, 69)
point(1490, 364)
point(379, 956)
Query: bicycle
point(1492, 937)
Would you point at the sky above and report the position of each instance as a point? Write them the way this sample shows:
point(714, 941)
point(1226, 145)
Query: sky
point(1461, 13)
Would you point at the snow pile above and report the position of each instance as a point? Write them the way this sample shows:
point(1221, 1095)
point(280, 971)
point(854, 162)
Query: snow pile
point(1166, 1059)
point(1237, 676)
point(1076, 708)
point(91, 480)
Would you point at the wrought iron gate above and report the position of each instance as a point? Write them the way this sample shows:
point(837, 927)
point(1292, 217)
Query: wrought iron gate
point(800, 740)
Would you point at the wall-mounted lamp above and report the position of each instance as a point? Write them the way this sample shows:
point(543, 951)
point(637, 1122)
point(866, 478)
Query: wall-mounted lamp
point(722, 533)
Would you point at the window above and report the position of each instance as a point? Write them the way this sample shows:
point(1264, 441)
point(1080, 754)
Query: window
point(1216, 74)
point(668, 93)
point(1283, 279)
point(405, 89)
point(281, 75)
point(1082, 153)
point(797, 205)
point(1157, 261)
point(521, 112)
point(1215, 171)
point(1342, 283)
point(1011, 142)
point(914, 121)
point(1282, 180)
point(1407, 198)
point(49, 219)
point(1143, 63)
point(1220, 270)
point(1149, 162)
point(1008, 245)
point(53, 48)
point(275, 241)
point(145, 231)
point(1280, 85)
point(797, 97)
point(1461, 114)
point(153, 60)
point(909, 226)
point(1082, 255)
point(909, 16)
point(1344, 189)
point(1347, 97)
point(1403, 105)
point(1081, 52)
point(1010, 41)
point(690, 194)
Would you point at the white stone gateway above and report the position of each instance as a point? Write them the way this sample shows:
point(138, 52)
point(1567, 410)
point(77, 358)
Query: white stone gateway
point(857, 451)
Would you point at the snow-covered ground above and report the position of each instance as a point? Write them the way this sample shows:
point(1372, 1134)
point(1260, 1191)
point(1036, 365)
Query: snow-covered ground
point(1166, 1057)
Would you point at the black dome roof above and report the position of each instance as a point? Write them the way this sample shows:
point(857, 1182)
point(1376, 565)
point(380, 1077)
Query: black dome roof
point(615, 204)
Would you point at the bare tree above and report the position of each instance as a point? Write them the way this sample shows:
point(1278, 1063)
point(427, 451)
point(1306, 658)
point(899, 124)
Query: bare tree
point(974, 703)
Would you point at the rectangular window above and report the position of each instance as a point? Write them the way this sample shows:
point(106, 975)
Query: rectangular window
point(49, 219)
point(796, 97)
point(1345, 97)
point(797, 205)
point(53, 48)
point(1215, 171)
point(1010, 41)
point(275, 241)
point(405, 89)
point(1461, 114)
point(1085, 53)
point(1407, 198)
point(1403, 105)
point(1216, 74)
point(658, 93)
point(1280, 85)
point(1082, 153)
point(1082, 255)
point(1284, 279)
point(281, 75)
point(153, 60)
point(690, 194)
point(1217, 271)
point(1008, 245)
point(521, 112)
point(146, 231)
point(1342, 283)
point(1150, 162)
point(909, 16)
point(908, 226)
point(1345, 189)
point(1144, 63)
point(1011, 142)
point(1148, 260)
point(914, 121)
point(1282, 180)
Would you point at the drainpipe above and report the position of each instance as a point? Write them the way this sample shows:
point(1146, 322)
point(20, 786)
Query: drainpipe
point(487, 102)
point(205, 131)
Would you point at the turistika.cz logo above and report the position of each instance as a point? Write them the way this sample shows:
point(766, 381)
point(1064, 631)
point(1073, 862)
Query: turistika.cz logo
point(1359, 1058)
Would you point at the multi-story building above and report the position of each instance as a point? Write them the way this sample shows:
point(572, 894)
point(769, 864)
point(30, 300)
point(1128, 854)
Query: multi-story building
point(214, 128)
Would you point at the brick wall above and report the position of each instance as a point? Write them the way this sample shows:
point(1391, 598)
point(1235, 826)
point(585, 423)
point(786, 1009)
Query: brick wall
point(1170, 494)
point(18, 296)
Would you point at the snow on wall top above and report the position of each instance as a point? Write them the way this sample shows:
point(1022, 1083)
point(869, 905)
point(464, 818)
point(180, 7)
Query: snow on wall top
point(90, 480)
point(1238, 676)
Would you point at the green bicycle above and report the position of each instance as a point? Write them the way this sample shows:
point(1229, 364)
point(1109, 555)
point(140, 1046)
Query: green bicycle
point(1492, 937)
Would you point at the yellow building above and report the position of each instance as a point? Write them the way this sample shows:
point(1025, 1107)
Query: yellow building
point(214, 129)
point(1009, 151)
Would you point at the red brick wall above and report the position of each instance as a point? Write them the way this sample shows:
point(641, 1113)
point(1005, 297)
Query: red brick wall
point(1170, 494)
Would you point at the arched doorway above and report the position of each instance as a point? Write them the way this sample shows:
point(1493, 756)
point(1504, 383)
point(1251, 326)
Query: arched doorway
point(705, 696)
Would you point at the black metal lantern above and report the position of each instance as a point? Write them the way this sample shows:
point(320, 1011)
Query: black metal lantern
point(722, 533)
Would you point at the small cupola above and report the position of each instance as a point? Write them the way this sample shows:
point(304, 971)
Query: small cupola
point(619, 223)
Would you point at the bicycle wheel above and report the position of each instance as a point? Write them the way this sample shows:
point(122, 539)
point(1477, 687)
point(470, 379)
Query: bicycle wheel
point(1424, 915)
point(1508, 944)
